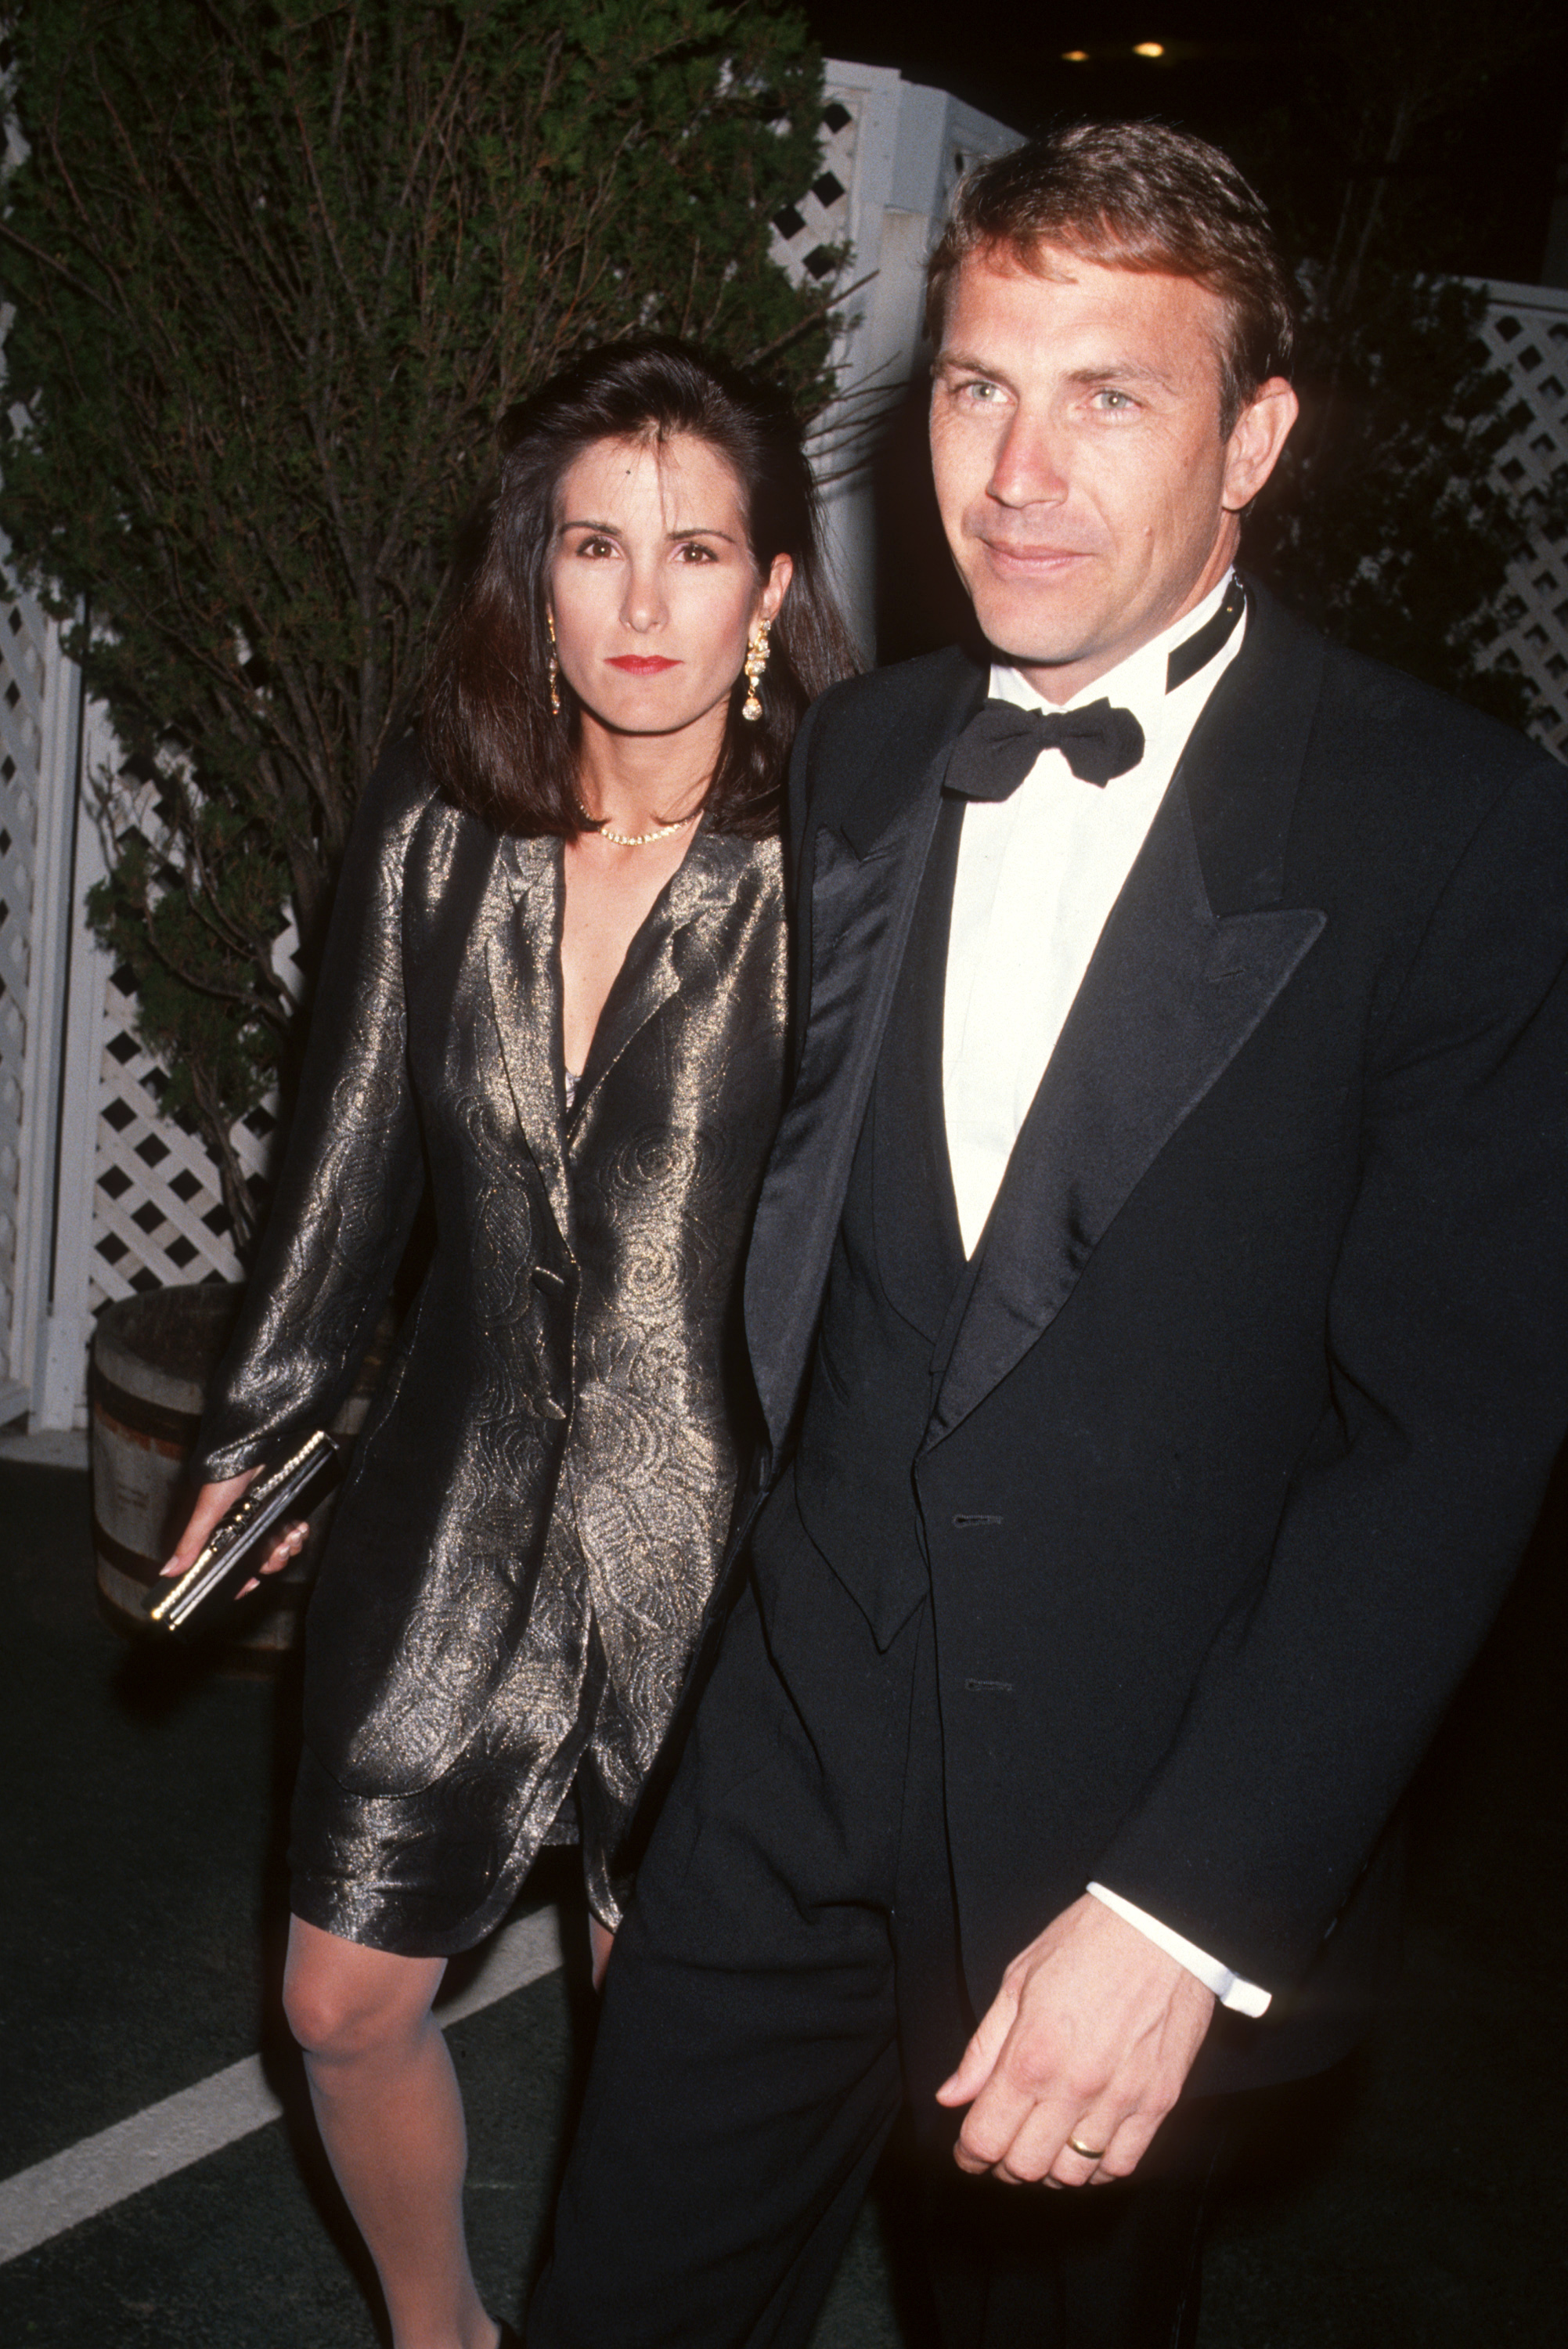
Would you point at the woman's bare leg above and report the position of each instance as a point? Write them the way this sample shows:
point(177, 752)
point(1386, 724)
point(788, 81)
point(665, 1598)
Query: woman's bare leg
point(391, 2118)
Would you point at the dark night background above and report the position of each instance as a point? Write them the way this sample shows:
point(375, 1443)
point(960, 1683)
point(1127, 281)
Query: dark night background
point(1284, 98)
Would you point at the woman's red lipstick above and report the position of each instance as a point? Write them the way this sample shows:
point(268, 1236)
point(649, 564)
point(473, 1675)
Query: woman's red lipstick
point(641, 664)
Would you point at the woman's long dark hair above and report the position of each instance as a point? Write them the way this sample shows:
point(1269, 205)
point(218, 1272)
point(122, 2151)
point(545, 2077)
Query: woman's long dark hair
point(485, 719)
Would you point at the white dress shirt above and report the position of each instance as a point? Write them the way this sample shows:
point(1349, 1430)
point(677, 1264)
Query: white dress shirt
point(1037, 875)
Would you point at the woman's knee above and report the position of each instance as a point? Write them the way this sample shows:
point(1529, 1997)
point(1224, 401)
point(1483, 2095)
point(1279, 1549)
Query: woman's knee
point(343, 2001)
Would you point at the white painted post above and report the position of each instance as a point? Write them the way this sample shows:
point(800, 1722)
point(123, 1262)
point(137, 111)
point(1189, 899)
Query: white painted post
point(60, 725)
point(59, 1384)
point(910, 145)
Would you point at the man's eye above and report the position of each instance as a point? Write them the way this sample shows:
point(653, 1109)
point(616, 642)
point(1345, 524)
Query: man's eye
point(980, 395)
point(1117, 402)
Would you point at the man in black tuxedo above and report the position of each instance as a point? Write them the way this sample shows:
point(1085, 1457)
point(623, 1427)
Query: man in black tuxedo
point(1158, 1303)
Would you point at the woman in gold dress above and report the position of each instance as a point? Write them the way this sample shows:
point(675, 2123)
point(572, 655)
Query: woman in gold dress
point(553, 995)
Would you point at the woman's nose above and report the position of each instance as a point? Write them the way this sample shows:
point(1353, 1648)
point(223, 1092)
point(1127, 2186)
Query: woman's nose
point(645, 605)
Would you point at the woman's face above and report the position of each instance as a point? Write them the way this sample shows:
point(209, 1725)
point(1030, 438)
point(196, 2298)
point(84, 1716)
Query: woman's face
point(653, 588)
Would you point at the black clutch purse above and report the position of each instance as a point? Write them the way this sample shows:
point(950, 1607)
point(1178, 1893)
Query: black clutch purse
point(233, 1549)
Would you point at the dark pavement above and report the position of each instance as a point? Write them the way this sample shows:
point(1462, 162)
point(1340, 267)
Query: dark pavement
point(1418, 2200)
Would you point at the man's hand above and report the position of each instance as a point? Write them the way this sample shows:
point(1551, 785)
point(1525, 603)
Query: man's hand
point(1090, 2036)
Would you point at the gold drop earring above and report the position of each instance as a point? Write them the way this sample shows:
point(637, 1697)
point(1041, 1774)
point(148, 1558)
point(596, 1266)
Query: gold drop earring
point(756, 662)
point(554, 668)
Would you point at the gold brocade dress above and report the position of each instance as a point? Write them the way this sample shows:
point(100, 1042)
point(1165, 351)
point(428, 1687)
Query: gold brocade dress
point(539, 1503)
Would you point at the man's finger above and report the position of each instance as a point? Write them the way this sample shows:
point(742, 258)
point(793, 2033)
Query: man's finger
point(1032, 2150)
point(979, 2058)
point(1086, 2149)
point(1014, 2115)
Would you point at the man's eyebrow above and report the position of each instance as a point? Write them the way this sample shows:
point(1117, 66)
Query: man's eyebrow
point(1121, 371)
point(963, 362)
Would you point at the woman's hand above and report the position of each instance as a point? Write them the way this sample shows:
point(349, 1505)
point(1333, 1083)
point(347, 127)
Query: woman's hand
point(211, 1502)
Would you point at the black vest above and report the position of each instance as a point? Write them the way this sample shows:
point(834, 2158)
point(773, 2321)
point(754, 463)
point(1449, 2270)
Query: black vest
point(897, 1278)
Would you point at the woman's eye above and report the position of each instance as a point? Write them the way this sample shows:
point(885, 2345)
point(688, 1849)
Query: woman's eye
point(693, 551)
point(597, 546)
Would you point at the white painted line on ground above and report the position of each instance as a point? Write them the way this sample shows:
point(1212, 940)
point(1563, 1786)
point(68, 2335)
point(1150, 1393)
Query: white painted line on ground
point(92, 2176)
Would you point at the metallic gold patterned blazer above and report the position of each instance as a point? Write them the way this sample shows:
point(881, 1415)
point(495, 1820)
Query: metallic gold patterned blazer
point(539, 1503)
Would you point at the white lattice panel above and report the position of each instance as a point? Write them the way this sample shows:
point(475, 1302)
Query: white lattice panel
point(24, 636)
point(158, 1211)
point(159, 1216)
point(805, 230)
point(1526, 330)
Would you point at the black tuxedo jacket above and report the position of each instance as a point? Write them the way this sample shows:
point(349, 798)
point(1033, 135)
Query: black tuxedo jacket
point(1265, 1359)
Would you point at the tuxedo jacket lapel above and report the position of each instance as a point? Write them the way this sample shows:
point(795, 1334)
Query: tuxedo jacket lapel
point(863, 880)
point(1171, 994)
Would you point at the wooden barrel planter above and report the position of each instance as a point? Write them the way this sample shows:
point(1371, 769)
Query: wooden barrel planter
point(152, 1356)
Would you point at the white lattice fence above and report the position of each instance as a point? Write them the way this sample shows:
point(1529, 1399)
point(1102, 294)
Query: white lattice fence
point(1526, 330)
point(159, 1216)
point(157, 1213)
point(804, 232)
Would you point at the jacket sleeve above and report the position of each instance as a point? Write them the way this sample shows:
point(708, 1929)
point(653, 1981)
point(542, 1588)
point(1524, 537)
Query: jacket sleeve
point(1447, 1346)
point(353, 1172)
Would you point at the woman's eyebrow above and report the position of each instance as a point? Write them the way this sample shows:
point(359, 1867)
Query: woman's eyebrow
point(685, 530)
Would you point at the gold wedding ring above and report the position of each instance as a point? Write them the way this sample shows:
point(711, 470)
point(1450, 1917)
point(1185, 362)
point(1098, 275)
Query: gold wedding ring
point(1088, 2152)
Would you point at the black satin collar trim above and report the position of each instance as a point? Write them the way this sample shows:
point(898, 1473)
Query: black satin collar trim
point(1201, 648)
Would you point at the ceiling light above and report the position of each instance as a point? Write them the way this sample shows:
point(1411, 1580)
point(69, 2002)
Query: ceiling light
point(1075, 57)
point(1150, 50)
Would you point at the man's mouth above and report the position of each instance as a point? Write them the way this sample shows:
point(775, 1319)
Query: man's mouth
point(1039, 559)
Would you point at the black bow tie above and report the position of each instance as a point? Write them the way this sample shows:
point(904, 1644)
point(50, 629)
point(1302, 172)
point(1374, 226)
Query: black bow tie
point(998, 746)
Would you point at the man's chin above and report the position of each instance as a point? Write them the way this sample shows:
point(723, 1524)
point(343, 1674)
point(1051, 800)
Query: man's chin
point(1029, 638)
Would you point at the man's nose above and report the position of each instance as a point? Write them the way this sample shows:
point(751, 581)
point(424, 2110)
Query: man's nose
point(1030, 468)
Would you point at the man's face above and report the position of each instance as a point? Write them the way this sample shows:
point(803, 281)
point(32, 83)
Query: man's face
point(1087, 497)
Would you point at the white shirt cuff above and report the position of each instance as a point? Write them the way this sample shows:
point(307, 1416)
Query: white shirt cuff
point(1241, 1996)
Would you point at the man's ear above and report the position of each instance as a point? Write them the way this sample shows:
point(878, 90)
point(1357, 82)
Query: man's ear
point(1252, 449)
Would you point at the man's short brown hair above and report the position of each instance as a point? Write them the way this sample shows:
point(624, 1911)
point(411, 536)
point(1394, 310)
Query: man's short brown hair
point(1133, 196)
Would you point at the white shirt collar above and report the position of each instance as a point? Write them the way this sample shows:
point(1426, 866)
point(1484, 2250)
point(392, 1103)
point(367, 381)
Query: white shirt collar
point(1138, 683)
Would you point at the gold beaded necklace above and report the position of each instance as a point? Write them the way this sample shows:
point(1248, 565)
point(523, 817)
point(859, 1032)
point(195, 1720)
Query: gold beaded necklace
point(636, 839)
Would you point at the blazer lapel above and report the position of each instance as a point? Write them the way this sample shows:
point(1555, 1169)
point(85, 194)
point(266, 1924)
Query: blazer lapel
point(1171, 994)
point(864, 877)
point(702, 883)
point(522, 963)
